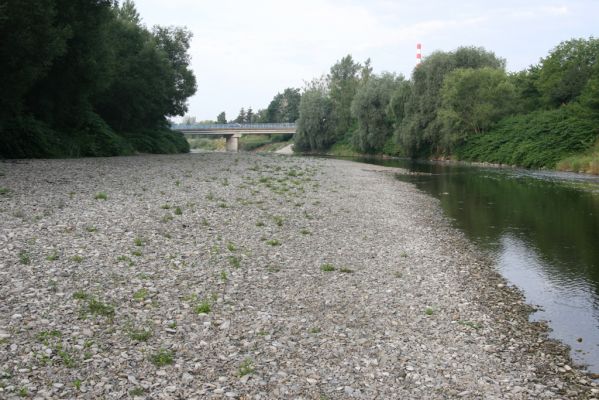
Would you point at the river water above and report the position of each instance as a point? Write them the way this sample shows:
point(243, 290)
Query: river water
point(541, 228)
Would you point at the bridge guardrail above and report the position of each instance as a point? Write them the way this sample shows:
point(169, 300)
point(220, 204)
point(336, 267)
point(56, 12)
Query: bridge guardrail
point(233, 126)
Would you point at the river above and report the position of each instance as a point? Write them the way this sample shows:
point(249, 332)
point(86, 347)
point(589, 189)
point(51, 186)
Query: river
point(541, 228)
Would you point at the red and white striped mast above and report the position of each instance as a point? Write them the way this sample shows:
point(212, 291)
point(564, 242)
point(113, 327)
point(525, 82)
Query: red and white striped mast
point(418, 54)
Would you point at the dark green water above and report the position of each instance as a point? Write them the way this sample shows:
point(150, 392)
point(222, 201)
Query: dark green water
point(542, 229)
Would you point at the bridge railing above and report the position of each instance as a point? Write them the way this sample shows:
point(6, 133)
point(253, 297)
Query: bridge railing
point(232, 126)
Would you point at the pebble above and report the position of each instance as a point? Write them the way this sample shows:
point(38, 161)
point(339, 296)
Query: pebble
point(294, 330)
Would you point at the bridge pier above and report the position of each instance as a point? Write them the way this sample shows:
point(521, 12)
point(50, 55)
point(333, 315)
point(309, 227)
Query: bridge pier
point(232, 144)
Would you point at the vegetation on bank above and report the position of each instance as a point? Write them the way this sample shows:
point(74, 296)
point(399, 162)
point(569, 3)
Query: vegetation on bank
point(87, 78)
point(461, 105)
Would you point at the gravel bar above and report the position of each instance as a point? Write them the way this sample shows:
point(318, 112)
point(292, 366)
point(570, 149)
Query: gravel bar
point(249, 276)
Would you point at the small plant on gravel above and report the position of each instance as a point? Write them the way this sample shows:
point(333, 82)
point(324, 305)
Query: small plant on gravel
point(210, 196)
point(234, 261)
point(24, 257)
point(224, 277)
point(77, 258)
point(346, 270)
point(167, 218)
point(403, 254)
point(246, 367)
point(136, 253)
point(177, 183)
point(231, 247)
point(327, 267)
point(137, 392)
point(259, 223)
point(165, 206)
point(45, 336)
point(4, 191)
point(305, 232)
point(316, 329)
point(278, 220)
point(273, 242)
point(81, 295)
point(77, 384)
point(203, 308)
point(162, 357)
point(222, 205)
point(91, 229)
point(138, 241)
point(53, 286)
point(470, 324)
point(140, 335)
point(96, 307)
point(125, 259)
point(141, 294)
point(429, 311)
point(23, 392)
point(173, 325)
point(66, 358)
point(178, 211)
point(101, 196)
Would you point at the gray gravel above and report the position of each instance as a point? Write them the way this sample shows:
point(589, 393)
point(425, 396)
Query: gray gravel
point(201, 276)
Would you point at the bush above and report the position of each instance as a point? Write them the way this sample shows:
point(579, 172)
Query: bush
point(536, 140)
point(158, 141)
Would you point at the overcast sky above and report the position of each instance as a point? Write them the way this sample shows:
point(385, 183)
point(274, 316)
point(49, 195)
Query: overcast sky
point(244, 52)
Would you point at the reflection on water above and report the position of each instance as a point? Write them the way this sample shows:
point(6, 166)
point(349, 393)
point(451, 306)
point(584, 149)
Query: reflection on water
point(543, 230)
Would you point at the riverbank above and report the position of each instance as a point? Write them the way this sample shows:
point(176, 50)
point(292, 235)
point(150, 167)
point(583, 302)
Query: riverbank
point(253, 276)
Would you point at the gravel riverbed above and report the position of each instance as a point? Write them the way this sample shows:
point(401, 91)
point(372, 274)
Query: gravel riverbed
point(248, 276)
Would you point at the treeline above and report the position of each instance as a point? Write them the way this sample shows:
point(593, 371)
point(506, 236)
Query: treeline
point(284, 107)
point(87, 78)
point(460, 104)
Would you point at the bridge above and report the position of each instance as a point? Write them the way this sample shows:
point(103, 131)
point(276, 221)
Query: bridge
point(232, 132)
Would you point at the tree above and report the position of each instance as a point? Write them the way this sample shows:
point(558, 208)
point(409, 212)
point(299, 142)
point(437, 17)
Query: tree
point(221, 118)
point(370, 108)
point(249, 116)
point(128, 12)
point(189, 120)
point(284, 107)
point(84, 78)
point(419, 131)
point(241, 117)
point(315, 126)
point(565, 71)
point(31, 42)
point(472, 101)
point(174, 42)
point(343, 81)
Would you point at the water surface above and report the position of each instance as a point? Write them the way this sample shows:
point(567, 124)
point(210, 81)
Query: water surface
point(542, 228)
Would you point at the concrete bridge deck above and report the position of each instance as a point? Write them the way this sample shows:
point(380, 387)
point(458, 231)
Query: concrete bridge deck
point(232, 132)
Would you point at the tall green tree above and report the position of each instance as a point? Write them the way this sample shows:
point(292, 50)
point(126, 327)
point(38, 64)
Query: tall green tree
point(370, 107)
point(174, 42)
point(419, 132)
point(565, 71)
point(84, 77)
point(343, 80)
point(284, 107)
point(32, 40)
point(472, 101)
point(316, 125)
point(221, 118)
point(241, 117)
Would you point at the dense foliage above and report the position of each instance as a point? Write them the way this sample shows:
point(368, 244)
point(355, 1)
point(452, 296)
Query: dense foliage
point(86, 78)
point(461, 104)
